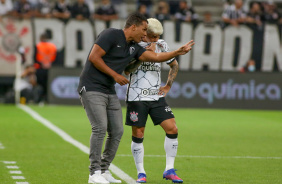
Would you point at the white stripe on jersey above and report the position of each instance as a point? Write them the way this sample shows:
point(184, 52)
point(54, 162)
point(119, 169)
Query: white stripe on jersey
point(146, 80)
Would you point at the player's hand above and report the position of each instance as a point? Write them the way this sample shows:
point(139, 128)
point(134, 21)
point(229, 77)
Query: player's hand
point(126, 73)
point(185, 48)
point(163, 90)
point(121, 79)
point(151, 47)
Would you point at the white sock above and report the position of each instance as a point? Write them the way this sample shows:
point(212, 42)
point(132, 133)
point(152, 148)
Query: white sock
point(137, 150)
point(170, 146)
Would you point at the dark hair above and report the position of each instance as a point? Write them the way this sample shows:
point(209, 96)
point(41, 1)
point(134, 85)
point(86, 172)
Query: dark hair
point(135, 19)
point(141, 5)
point(44, 36)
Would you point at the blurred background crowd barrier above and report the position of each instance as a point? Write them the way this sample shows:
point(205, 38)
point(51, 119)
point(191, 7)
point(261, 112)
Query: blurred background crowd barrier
point(191, 89)
point(217, 48)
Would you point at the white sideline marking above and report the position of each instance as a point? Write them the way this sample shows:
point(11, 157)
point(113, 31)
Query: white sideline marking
point(18, 177)
point(12, 167)
point(1, 146)
point(9, 162)
point(15, 172)
point(74, 142)
point(195, 156)
point(22, 183)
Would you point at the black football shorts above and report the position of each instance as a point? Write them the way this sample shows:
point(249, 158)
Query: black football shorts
point(138, 111)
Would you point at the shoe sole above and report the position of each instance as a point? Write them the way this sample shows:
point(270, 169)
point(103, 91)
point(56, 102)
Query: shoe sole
point(173, 181)
point(141, 181)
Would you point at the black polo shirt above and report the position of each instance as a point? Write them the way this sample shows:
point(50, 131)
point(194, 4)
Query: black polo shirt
point(118, 55)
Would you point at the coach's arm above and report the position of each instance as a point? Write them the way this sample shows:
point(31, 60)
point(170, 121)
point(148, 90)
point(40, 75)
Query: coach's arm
point(95, 57)
point(164, 56)
point(151, 56)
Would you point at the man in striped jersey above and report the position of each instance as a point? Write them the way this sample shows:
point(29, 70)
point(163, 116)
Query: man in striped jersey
point(145, 96)
point(234, 14)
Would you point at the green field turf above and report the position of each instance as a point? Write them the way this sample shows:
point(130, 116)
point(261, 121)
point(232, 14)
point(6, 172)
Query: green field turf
point(215, 147)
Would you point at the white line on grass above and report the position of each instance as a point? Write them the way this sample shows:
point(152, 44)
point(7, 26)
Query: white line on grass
point(12, 167)
point(18, 177)
point(196, 156)
point(1, 146)
point(15, 172)
point(9, 162)
point(72, 141)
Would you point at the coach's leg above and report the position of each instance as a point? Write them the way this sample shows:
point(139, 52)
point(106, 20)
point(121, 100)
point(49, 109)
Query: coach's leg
point(137, 148)
point(171, 142)
point(95, 105)
point(115, 131)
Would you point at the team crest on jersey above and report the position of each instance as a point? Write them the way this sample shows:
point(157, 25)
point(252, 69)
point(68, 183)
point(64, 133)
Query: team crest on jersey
point(134, 116)
point(131, 50)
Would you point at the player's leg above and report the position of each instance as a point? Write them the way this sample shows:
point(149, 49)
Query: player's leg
point(137, 150)
point(95, 104)
point(171, 141)
point(137, 113)
point(115, 131)
point(170, 146)
point(161, 114)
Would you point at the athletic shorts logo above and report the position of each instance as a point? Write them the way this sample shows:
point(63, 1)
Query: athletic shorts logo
point(134, 116)
point(131, 50)
point(168, 109)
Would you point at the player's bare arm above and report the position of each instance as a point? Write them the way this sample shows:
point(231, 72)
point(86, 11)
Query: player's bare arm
point(172, 73)
point(95, 57)
point(171, 77)
point(164, 56)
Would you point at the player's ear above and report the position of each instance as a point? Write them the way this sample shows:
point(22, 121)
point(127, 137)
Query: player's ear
point(133, 27)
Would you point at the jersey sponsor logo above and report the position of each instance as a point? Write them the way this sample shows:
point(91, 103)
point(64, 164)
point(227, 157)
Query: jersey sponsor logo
point(147, 92)
point(148, 66)
point(131, 50)
point(134, 116)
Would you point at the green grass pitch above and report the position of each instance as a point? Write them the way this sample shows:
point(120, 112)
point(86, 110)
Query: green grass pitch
point(215, 147)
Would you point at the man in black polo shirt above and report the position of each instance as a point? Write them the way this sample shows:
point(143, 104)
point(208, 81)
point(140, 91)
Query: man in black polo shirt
point(111, 53)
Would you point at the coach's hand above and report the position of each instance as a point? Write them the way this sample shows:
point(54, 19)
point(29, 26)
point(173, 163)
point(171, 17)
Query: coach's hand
point(121, 79)
point(185, 48)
